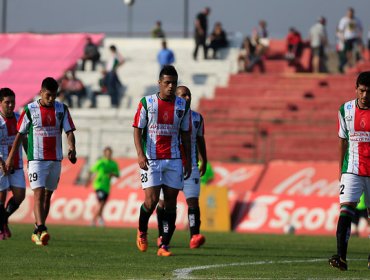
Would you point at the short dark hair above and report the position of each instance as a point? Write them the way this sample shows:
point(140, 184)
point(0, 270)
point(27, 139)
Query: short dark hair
point(5, 92)
point(50, 83)
point(113, 48)
point(168, 70)
point(363, 79)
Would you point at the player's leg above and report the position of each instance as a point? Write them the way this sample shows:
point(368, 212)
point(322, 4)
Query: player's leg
point(367, 203)
point(2, 213)
point(160, 213)
point(351, 187)
point(191, 192)
point(102, 199)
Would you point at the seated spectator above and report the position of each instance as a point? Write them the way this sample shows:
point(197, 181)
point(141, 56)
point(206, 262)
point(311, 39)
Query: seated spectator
point(262, 30)
point(294, 46)
point(165, 56)
point(217, 39)
point(251, 55)
point(71, 86)
point(91, 52)
point(157, 31)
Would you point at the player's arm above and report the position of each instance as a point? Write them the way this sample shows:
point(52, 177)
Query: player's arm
point(201, 144)
point(25, 143)
point(141, 157)
point(71, 140)
point(9, 164)
point(343, 145)
point(185, 140)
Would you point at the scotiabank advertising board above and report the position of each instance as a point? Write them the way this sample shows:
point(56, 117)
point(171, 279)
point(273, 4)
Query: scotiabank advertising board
point(295, 196)
point(75, 204)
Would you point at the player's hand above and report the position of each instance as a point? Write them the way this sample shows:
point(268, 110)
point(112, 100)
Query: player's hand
point(143, 162)
point(8, 167)
point(202, 168)
point(72, 156)
point(187, 170)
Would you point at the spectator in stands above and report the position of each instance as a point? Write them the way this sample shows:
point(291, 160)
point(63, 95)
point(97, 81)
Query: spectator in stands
point(351, 28)
point(91, 52)
point(251, 55)
point(157, 31)
point(200, 32)
point(262, 30)
point(102, 91)
point(340, 51)
point(294, 45)
point(165, 56)
point(318, 40)
point(113, 83)
point(102, 172)
point(72, 86)
point(217, 39)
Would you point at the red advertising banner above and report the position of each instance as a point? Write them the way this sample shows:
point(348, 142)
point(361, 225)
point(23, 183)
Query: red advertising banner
point(74, 204)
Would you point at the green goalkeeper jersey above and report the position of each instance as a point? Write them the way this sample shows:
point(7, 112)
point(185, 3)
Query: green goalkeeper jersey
point(104, 170)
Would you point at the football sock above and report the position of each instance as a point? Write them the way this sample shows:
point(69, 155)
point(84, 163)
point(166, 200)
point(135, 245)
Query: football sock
point(169, 220)
point(144, 218)
point(344, 230)
point(41, 228)
point(2, 216)
point(160, 214)
point(194, 220)
point(11, 207)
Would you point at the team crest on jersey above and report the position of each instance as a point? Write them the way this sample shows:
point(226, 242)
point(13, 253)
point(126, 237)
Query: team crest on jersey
point(196, 124)
point(363, 123)
point(349, 118)
point(165, 116)
point(180, 113)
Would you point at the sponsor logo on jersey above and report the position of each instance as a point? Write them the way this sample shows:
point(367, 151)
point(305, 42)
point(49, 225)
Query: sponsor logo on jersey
point(349, 106)
point(179, 102)
point(180, 113)
point(363, 123)
point(151, 100)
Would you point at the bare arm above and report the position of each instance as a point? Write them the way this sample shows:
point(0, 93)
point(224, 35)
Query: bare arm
point(185, 140)
point(343, 145)
point(201, 143)
point(71, 147)
point(141, 157)
point(9, 164)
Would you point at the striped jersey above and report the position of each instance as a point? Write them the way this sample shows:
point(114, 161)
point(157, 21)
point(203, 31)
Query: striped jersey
point(197, 129)
point(8, 131)
point(44, 127)
point(161, 122)
point(354, 125)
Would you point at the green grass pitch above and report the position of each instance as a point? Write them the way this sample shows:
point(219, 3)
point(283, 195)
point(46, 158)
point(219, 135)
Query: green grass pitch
point(111, 253)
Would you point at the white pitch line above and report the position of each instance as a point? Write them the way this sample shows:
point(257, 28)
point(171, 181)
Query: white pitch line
point(184, 273)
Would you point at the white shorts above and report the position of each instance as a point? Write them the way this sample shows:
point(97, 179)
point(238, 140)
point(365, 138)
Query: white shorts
point(351, 188)
point(167, 172)
point(12, 180)
point(191, 185)
point(44, 174)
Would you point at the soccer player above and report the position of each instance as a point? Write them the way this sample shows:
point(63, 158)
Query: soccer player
point(354, 143)
point(192, 184)
point(161, 119)
point(105, 168)
point(14, 181)
point(43, 121)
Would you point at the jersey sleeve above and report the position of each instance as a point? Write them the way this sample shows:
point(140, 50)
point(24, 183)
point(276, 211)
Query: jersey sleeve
point(24, 121)
point(141, 117)
point(68, 124)
point(116, 169)
point(200, 131)
point(95, 167)
point(342, 126)
point(186, 120)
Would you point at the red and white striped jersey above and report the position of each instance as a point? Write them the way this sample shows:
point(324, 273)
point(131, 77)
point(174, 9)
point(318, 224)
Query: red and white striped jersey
point(197, 129)
point(354, 125)
point(161, 122)
point(44, 127)
point(8, 131)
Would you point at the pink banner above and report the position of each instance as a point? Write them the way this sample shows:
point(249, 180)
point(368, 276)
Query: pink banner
point(26, 59)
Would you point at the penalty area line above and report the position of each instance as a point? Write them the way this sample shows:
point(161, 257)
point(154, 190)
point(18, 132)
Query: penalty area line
point(184, 273)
